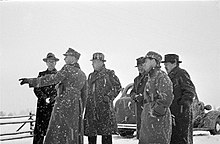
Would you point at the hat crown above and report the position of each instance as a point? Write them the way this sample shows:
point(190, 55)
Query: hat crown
point(154, 55)
point(50, 56)
point(72, 52)
point(98, 56)
point(171, 58)
point(140, 60)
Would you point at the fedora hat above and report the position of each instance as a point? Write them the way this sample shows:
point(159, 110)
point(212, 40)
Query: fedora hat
point(153, 55)
point(72, 52)
point(140, 60)
point(50, 56)
point(98, 56)
point(171, 58)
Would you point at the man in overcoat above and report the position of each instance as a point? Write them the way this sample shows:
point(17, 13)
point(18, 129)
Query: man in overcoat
point(45, 101)
point(184, 92)
point(104, 86)
point(156, 122)
point(66, 125)
point(137, 92)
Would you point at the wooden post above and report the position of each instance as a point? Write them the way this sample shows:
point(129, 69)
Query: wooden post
point(31, 123)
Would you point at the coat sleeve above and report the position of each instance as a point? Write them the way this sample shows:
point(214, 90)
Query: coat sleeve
point(134, 90)
point(38, 91)
point(187, 88)
point(164, 92)
point(115, 86)
point(49, 79)
point(84, 94)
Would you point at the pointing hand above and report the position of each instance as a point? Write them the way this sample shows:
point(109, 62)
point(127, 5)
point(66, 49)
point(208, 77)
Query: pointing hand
point(24, 81)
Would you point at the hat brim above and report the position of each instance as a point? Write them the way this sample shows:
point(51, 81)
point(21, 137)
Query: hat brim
point(66, 54)
point(170, 61)
point(139, 64)
point(45, 59)
point(98, 59)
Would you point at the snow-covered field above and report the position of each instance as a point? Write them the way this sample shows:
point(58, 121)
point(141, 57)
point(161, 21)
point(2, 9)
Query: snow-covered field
point(200, 137)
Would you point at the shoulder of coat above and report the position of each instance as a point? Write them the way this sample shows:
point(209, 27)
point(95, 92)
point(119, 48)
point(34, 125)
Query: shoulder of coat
point(182, 72)
point(136, 78)
point(82, 72)
point(111, 72)
point(65, 66)
point(162, 74)
point(42, 72)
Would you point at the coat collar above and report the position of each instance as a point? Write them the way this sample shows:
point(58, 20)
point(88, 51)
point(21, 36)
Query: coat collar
point(153, 72)
point(173, 72)
point(98, 74)
point(75, 65)
point(54, 70)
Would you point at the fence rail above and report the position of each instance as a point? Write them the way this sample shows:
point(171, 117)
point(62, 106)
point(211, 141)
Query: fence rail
point(12, 117)
point(18, 132)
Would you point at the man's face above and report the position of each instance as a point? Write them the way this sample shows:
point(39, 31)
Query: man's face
point(169, 66)
point(140, 68)
point(51, 64)
point(97, 64)
point(148, 64)
point(69, 59)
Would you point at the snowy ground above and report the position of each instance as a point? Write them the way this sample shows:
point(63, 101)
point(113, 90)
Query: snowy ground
point(200, 137)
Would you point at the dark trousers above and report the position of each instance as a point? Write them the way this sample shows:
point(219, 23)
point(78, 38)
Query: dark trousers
point(139, 110)
point(106, 139)
point(38, 139)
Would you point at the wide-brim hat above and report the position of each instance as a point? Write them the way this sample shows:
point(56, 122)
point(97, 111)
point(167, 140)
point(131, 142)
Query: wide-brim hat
point(140, 61)
point(72, 52)
point(98, 56)
point(153, 55)
point(171, 58)
point(50, 56)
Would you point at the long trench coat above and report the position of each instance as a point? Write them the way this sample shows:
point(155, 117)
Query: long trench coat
point(44, 108)
point(66, 125)
point(100, 118)
point(181, 108)
point(138, 89)
point(156, 122)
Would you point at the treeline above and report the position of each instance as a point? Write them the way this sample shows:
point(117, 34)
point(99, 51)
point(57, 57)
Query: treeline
point(22, 112)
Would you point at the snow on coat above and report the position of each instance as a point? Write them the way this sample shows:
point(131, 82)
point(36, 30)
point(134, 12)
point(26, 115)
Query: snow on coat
point(66, 125)
point(184, 92)
point(156, 123)
point(44, 107)
point(138, 89)
point(100, 118)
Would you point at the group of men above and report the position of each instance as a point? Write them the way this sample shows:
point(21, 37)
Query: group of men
point(155, 95)
point(64, 95)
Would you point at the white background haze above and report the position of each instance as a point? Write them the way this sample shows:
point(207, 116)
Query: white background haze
point(122, 30)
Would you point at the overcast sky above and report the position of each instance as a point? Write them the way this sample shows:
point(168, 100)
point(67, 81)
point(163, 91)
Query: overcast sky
point(123, 31)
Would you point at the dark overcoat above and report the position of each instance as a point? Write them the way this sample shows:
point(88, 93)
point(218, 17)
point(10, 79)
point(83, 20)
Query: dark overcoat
point(44, 107)
point(181, 108)
point(99, 118)
point(156, 122)
point(138, 89)
point(66, 125)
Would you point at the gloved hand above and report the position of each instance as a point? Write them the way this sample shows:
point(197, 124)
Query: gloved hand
point(106, 99)
point(184, 102)
point(133, 96)
point(24, 81)
point(139, 97)
point(159, 111)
